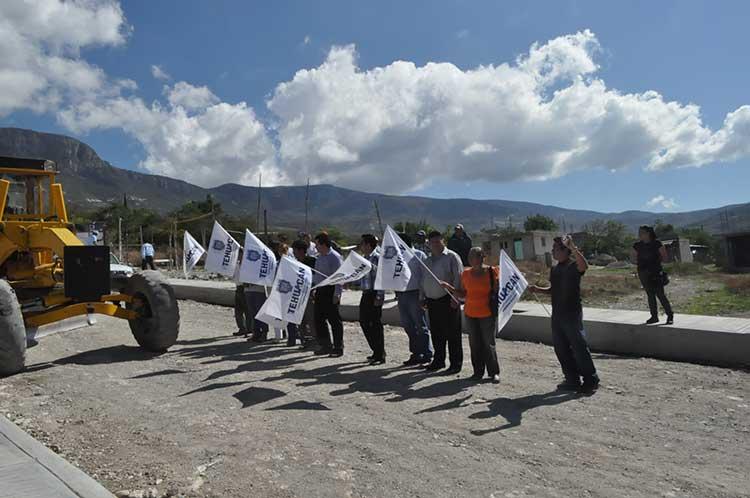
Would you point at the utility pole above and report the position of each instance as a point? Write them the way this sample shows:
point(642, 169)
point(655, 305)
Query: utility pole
point(265, 224)
point(119, 236)
point(307, 204)
point(257, 214)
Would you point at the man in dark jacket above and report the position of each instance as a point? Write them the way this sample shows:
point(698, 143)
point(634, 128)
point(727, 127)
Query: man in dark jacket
point(460, 243)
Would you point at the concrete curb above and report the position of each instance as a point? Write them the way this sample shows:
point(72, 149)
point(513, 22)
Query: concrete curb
point(29, 469)
point(696, 339)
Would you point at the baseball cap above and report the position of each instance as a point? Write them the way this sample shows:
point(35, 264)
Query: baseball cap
point(459, 226)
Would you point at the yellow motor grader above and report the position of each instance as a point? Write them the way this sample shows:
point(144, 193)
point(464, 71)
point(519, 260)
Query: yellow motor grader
point(48, 275)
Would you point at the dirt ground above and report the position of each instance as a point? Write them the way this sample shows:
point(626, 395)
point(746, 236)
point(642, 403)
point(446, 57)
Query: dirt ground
point(217, 417)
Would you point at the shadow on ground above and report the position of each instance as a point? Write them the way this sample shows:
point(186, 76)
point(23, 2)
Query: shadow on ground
point(512, 409)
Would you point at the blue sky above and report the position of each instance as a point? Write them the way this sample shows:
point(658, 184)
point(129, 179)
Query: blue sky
point(688, 52)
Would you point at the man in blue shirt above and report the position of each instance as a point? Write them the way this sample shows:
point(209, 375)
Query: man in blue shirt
point(327, 300)
point(413, 316)
point(371, 303)
point(147, 256)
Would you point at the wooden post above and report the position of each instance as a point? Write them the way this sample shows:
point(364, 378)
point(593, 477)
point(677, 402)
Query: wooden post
point(377, 212)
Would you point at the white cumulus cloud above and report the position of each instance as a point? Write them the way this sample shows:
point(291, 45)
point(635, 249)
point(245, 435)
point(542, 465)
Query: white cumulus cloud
point(159, 73)
point(662, 201)
point(40, 63)
point(190, 97)
point(393, 128)
point(401, 126)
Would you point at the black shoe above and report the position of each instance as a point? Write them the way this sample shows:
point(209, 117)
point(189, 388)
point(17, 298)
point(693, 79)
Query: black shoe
point(323, 352)
point(652, 320)
point(240, 333)
point(589, 385)
point(569, 385)
point(371, 357)
point(377, 361)
point(476, 377)
point(432, 367)
point(425, 359)
point(670, 319)
point(291, 344)
point(496, 379)
point(414, 360)
point(453, 371)
point(336, 353)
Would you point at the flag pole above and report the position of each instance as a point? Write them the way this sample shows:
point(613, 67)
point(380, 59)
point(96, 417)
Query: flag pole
point(541, 303)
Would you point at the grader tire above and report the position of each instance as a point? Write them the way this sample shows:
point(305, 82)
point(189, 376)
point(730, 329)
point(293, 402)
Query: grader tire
point(12, 332)
point(157, 327)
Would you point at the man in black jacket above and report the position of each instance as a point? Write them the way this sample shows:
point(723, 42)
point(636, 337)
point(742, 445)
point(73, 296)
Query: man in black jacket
point(568, 336)
point(460, 243)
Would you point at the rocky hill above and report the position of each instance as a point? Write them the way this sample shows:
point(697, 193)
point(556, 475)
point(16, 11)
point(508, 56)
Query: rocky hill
point(90, 182)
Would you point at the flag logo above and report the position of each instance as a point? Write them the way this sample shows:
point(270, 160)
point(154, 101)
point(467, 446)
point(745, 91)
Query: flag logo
point(285, 287)
point(390, 252)
point(218, 245)
point(253, 255)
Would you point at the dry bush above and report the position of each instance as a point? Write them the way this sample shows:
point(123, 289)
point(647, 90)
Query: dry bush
point(738, 284)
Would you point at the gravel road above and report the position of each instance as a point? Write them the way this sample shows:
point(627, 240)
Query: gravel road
point(217, 417)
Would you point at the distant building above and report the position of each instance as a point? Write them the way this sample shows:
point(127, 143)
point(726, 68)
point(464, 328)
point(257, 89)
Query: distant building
point(735, 249)
point(535, 245)
point(678, 250)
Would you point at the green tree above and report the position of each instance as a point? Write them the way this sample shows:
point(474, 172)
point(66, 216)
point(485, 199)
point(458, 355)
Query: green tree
point(607, 237)
point(539, 222)
point(664, 231)
point(412, 227)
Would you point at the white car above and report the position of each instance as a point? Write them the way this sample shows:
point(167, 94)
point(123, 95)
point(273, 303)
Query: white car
point(119, 273)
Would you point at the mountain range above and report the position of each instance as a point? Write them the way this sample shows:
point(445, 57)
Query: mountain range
point(90, 182)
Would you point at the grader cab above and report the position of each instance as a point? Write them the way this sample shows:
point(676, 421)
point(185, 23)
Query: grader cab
point(48, 275)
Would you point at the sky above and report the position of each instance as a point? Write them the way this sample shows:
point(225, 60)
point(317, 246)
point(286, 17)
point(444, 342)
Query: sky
point(587, 105)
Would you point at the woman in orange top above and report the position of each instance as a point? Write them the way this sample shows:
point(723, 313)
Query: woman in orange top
point(477, 283)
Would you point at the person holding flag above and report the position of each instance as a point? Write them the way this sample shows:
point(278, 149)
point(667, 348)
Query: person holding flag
point(371, 302)
point(327, 300)
point(479, 288)
point(305, 331)
point(443, 265)
point(411, 313)
point(568, 336)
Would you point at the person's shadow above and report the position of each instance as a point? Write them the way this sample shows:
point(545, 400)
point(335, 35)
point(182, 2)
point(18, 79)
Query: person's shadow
point(512, 410)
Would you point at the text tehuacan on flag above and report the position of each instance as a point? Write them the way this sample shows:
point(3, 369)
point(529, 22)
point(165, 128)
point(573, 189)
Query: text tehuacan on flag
point(511, 288)
point(258, 264)
point(393, 265)
point(223, 252)
point(192, 252)
point(288, 298)
point(352, 269)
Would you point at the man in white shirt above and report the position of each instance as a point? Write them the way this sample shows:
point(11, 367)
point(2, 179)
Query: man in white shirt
point(147, 256)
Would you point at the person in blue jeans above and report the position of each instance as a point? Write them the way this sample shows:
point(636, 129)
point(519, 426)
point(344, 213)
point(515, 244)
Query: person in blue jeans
point(568, 336)
point(412, 314)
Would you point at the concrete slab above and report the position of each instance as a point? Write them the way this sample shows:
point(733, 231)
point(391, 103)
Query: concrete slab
point(693, 338)
point(29, 469)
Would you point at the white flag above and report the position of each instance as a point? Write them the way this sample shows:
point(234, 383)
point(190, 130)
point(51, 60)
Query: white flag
point(192, 252)
point(223, 252)
point(258, 262)
point(393, 266)
point(512, 286)
point(352, 269)
point(289, 295)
